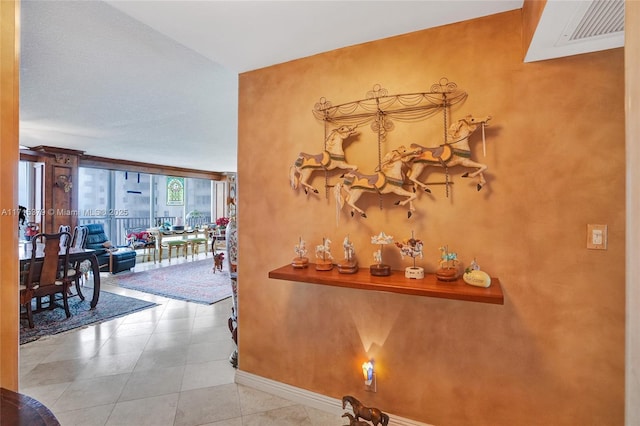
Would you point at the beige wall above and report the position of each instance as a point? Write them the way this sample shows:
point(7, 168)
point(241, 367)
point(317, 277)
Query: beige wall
point(632, 64)
point(554, 352)
point(8, 182)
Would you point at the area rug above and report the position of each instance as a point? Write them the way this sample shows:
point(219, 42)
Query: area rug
point(191, 281)
point(55, 321)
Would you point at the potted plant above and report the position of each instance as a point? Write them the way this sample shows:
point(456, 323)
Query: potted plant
point(221, 224)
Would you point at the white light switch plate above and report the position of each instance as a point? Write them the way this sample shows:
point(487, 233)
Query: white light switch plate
point(597, 237)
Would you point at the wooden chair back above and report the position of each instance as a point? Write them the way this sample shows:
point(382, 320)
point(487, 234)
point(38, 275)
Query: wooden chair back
point(79, 237)
point(51, 267)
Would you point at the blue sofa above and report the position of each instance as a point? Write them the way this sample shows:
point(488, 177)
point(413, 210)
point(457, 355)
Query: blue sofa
point(122, 260)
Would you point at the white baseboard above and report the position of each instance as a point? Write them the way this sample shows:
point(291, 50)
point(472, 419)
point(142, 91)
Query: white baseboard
point(307, 398)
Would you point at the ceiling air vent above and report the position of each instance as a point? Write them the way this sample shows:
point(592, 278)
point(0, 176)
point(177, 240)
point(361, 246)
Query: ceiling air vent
point(594, 20)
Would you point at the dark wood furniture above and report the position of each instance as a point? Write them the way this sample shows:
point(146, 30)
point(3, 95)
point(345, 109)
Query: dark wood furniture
point(395, 283)
point(47, 274)
point(75, 255)
point(18, 409)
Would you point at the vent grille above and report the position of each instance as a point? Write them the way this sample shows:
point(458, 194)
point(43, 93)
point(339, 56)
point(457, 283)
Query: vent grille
point(602, 17)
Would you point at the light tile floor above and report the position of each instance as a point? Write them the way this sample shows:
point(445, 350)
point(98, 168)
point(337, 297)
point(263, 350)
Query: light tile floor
point(167, 365)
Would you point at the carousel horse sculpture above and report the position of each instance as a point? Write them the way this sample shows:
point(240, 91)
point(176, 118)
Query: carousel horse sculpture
point(411, 248)
point(454, 152)
point(324, 250)
point(374, 415)
point(389, 179)
point(331, 158)
point(448, 259)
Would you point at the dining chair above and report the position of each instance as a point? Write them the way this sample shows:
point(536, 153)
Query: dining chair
point(26, 294)
point(170, 244)
point(48, 273)
point(195, 240)
point(67, 229)
point(79, 237)
point(79, 269)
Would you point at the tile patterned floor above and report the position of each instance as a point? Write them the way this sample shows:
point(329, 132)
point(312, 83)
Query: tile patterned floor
point(167, 365)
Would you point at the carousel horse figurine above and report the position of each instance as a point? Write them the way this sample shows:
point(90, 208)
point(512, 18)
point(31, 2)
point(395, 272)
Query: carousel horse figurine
point(411, 248)
point(448, 259)
point(390, 179)
point(324, 250)
point(374, 415)
point(331, 158)
point(454, 152)
point(353, 421)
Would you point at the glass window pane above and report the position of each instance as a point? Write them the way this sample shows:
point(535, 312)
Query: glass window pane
point(197, 202)
point(164, 212)
point(93, 190)
point(129, 200)
point(25, 196)
point(132, 207)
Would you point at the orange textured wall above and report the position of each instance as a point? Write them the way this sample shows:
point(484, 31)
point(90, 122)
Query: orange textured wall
point(554, 352)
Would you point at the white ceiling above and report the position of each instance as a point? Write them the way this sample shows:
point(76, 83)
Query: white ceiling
point(157, 81)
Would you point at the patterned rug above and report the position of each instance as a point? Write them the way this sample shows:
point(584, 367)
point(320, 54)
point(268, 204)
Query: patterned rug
point(50, 322)
point(191, 281)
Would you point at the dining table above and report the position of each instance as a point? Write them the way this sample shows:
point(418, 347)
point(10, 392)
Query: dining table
point(75, 255)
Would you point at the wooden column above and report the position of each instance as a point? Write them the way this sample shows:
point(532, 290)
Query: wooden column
point(632, 87)
point(9, 107)
point(59, 187)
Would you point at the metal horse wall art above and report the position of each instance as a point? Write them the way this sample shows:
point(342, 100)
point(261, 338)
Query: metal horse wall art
point(331, 158)
point(389, 179)
point(454, 152)
point(399, 172)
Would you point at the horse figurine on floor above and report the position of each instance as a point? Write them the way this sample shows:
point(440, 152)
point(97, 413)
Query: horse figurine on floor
point(331, 158)
point(374, 415)
point(454, 152)
point(353, 421)
point(390, 179)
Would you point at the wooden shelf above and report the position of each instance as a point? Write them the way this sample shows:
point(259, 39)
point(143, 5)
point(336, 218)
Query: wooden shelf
point(395, 283)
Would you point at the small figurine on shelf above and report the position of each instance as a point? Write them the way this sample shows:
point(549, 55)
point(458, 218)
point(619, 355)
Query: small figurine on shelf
point(323, 256)
point(380, 269)
point(474, 276)
point(448, 270)
point(413, 249)
point(349, 264)
point(300, 261)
